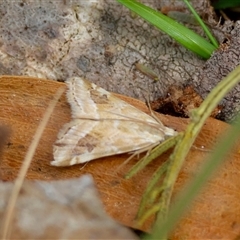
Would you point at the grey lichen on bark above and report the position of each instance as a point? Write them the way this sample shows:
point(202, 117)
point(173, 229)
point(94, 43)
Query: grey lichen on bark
point(98, 40)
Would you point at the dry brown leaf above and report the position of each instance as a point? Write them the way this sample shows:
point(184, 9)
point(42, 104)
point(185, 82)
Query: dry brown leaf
point(215, 213)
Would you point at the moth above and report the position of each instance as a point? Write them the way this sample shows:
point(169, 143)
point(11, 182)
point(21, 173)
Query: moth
point(103, 125)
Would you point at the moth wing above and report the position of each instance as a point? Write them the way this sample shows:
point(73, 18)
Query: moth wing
point(84, 140)
point(90, 101)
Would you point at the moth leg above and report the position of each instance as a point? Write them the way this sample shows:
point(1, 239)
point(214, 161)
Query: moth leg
point(146, 149)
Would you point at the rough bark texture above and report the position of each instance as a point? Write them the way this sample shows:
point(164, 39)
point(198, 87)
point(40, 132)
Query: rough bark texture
point(218, 66)
point(101, 41)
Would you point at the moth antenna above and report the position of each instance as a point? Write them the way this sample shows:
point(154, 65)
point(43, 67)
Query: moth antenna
point(152, 112)
point(26, 163)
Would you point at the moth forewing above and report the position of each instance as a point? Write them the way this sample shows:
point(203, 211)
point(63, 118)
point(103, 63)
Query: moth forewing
point(103, 125)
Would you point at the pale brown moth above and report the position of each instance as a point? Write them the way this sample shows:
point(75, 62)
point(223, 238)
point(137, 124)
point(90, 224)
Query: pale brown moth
point(103, 125)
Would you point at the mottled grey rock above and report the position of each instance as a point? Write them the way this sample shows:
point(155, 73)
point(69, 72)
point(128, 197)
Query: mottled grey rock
point(64, 209)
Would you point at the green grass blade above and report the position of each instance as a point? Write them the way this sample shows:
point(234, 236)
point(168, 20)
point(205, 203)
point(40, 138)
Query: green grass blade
point(182, 148)
point(157, 151)
point(222, 4)
point(202, 24)
point(181, 34)
point(185, 198)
